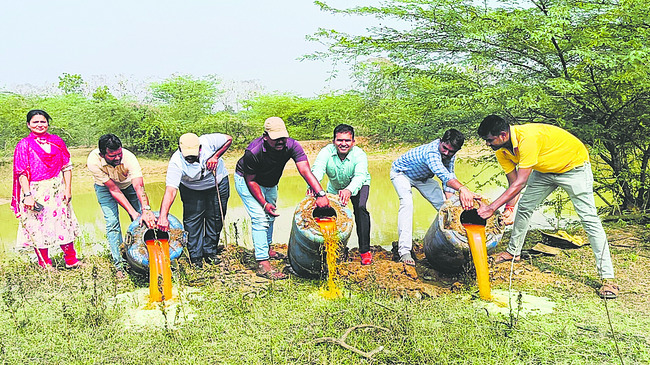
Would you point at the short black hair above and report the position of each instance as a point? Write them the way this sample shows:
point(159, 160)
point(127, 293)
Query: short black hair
point(34, 112)
point(343, 128)
point(454, 137)
point(109, 141)
point(494, 125)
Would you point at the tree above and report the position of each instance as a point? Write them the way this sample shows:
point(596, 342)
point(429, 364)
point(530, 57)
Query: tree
point(582, 65)
point(307, 118)
point(186, 97)
point(71, 84)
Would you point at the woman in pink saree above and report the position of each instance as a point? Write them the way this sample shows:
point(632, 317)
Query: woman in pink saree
point(42, 192)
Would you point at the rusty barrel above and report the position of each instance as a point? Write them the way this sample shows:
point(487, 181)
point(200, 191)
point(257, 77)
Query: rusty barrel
point(305, 251)
point(134, 249)
point(445, 243)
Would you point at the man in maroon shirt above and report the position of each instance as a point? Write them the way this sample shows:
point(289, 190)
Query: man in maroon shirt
point(256, 180)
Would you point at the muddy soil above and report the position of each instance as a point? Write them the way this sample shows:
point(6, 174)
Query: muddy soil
point(238, 266)
point(572, 272)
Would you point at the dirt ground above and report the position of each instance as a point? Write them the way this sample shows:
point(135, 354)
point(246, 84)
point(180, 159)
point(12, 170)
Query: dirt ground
point(570, 273)
point(238, 268)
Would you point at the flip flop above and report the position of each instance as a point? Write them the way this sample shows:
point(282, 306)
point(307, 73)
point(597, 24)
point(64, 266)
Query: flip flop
point(501, 257)
point(406, 259)
point(608, 291)
point(271, 274)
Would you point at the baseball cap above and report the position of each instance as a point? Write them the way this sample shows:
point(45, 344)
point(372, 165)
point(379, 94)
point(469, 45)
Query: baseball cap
point(189, 144)
point(275, 128)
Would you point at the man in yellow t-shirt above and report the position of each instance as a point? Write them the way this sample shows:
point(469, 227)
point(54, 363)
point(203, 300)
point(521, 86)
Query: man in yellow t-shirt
point(118, 180)
point(543, 157)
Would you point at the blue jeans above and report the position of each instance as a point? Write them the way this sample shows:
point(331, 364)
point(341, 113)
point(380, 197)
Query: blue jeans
point(112, 217)
point(430, 190)
point(261, 223)
point(579, 185)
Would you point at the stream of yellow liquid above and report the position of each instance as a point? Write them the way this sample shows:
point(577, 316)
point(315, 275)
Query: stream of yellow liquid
point(476, 240)
point(330, 235)
point(159, 265)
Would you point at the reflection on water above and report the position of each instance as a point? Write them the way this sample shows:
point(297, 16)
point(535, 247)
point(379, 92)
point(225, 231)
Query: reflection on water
point(382, 204)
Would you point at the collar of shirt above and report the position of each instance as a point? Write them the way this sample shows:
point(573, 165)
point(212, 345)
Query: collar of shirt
point(515, 144)
point(335, 153)
point(115, 173)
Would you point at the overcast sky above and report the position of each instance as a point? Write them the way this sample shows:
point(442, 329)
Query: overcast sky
point(149, 40)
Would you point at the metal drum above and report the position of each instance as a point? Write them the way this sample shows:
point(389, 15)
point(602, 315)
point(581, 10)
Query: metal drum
point(445, 244)
point(134, 249)
point(306, 241)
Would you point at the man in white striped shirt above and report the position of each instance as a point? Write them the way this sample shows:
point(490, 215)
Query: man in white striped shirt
point(200, 174)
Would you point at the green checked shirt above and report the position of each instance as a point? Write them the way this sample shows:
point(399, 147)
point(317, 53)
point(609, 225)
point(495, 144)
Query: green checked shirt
point(351, 173)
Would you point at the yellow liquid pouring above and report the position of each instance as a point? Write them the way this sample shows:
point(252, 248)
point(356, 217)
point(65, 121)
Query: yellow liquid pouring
point(476, 240)
point(159, 266)
point(330, 235)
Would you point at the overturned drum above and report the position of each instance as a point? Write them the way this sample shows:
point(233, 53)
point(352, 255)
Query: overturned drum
point(134, 249)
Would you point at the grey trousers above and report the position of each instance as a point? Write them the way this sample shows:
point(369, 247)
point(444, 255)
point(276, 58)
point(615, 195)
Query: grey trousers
point(579, 185)
point(430, 190)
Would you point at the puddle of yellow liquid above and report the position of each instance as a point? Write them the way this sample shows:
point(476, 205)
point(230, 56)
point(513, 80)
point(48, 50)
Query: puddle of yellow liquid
point(331, 242)
point(159, 266)
point(476, 240)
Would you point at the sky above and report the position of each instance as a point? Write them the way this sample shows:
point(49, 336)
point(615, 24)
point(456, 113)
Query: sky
point(149, 40)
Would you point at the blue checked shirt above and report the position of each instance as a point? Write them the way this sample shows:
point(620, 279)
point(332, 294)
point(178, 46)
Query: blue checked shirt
point(423, 162)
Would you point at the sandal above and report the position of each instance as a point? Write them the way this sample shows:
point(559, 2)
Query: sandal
point(608, 291)
point(271, 274)
point(505, 256)
point(76, 265)
point(406, 259)
point(275, 255)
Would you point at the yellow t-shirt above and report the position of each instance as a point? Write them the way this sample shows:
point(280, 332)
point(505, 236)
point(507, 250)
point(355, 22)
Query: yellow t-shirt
point(120, 174)
point(544, 148)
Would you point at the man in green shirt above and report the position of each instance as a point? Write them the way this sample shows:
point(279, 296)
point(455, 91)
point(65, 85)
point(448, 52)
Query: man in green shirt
point(346, 166)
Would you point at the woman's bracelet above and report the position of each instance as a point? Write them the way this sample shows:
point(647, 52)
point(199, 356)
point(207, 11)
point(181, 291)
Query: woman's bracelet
point(264, 208)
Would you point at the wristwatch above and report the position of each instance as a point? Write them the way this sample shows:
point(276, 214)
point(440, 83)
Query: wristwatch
point(146, 207)
point(321, 194)
point(27, 194)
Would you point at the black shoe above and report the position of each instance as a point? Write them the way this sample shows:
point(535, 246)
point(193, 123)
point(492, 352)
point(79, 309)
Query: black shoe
point(212, 260)
point(197, 264)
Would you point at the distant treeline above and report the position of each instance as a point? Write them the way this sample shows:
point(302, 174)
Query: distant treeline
point(183, 104)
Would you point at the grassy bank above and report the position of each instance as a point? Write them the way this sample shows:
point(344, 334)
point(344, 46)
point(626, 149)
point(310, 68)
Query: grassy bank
point(67, 316)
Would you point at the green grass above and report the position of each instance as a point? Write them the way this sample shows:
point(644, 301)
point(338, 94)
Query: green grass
point(66, 318)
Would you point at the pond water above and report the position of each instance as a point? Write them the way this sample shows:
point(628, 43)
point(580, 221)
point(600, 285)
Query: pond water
point(382, 204)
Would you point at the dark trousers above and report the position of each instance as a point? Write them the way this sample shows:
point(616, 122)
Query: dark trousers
point(362, 218)
point(203, 218)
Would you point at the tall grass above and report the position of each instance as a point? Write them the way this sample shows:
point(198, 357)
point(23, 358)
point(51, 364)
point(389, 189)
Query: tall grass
point(65, 318)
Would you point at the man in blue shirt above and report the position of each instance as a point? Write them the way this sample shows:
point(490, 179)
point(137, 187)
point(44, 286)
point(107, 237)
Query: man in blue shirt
point(416, 168)
point(346, 166)
point(200, 174)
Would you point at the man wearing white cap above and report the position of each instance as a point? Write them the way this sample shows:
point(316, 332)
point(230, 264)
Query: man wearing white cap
point(256, 180)
point(200, 174)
